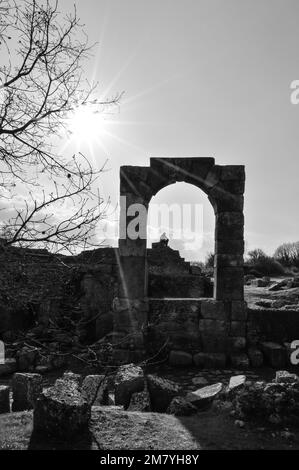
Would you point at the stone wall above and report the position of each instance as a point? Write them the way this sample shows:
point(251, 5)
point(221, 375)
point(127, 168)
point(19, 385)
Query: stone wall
point(267, 324)
point(195, 326)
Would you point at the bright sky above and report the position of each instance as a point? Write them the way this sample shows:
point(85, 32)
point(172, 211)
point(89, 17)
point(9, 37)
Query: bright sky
point(203, 78)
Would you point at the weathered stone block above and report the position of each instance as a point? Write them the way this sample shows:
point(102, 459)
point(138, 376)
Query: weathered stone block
point(161, 392)
point(213, 177)
point(140, 402)
point(237, 343)
point(61, 411)
point(95, 390)
point(230, 218)
point(229, 232)
point(274, 354)
point(9, 367)
point(4, 399)
point(224, 201)
point(233, 186)
point(223, 261)
point(229, 284)
point(26, 389)
point(132, 279)
point(229, 246)
point(238, 328)
point(214, 335)
point(204, 396)
point(129, 379)
point(238, 310)
point(283, 376)
point(209, 360)
point(180, 358)
point(233, 172)
point(259, 283)
point(236, 382)
point(213, 309)
point(180, 406)
point(256, 357)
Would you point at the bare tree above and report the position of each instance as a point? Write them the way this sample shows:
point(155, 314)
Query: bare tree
point(41, 83)
point(288, 254)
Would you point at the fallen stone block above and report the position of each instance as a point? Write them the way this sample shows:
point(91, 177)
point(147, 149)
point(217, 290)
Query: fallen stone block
point(283, 376)
point(204, 397)
point(72, 377)
point(4, 399)
point(129, 379)
point(61, 411)
point(180, 358)
point(278, 285)
point(94, 389)
point(26, 388)
point(9, 367)
point(275, 354)
point(161, 392)
point(256, 357)
point(179, 406)
point(140, 402)
point(236, 382)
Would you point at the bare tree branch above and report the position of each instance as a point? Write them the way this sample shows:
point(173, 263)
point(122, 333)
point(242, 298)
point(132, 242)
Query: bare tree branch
point(41, 83)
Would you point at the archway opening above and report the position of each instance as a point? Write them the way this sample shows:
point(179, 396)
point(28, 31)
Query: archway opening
point(179, 269)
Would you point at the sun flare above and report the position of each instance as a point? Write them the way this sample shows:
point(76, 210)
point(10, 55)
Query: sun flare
point(86, 124)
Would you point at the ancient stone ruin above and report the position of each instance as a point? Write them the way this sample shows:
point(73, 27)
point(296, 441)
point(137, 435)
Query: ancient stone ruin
point(198, 326)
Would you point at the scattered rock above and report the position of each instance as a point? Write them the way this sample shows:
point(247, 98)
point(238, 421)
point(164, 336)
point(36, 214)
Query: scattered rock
point(180, 358)
point(283, 376)
point(129, 379)
point(94, 389)
point(161, 391)
point(278, 285)
point(72, 377)
point(236, 382)
point(180, 406)
point(26, 388)
point(4, 399)
point(204, 396)
point(9, 367)
point(239, 423)
point(140, 401)
point(61, 411)
point(199, 381)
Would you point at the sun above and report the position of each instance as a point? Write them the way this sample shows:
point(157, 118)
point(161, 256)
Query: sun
point(87, 124)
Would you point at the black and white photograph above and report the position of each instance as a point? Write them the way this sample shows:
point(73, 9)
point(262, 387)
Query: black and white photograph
point(149, 228)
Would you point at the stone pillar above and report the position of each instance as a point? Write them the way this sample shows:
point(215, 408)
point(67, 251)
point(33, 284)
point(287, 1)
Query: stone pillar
point(131, 307)
point(227, 199)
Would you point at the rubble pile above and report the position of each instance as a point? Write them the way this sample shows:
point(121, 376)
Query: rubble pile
point(276, 402)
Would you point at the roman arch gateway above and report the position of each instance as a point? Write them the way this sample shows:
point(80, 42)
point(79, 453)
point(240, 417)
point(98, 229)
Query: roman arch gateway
point(219, 322)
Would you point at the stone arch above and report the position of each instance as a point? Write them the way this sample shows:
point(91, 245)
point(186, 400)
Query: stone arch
point(224, 186)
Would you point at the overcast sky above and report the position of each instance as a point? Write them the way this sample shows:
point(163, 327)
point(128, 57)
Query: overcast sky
point(203, 78)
